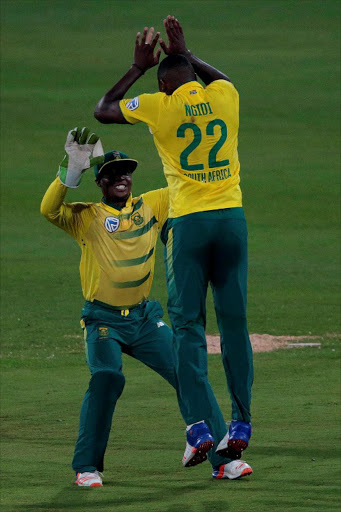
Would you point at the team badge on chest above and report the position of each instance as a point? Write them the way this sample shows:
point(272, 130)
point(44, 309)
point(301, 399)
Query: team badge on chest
point(137, 219)
point(112, 224)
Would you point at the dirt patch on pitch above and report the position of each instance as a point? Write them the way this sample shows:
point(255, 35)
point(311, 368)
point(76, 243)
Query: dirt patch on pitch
point(262, 342)
point(268, 342)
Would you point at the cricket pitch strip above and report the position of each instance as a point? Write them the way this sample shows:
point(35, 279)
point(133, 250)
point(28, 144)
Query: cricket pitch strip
point(268, 342)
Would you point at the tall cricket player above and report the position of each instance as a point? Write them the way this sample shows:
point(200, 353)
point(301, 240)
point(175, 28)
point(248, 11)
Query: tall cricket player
point(195, 131)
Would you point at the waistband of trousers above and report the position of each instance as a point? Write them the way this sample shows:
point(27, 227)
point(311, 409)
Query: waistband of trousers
point(218, 214)
point(123, 310)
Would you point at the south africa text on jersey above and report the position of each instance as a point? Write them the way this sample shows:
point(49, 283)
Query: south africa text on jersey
point(206, 177)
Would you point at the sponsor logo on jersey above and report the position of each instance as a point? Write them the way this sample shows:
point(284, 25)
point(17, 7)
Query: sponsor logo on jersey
point(160, 324)
point(133, 104)
point(112, 224)
point(192, 92)
point(137, 219)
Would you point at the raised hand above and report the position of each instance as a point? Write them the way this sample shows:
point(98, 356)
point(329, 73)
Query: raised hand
point(144, 57)
point(82, 150)
point(175, 35)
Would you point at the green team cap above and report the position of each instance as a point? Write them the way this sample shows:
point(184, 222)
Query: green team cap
point(116, 161)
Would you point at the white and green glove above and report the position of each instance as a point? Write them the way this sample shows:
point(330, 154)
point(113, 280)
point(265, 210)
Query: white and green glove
point(83, 150)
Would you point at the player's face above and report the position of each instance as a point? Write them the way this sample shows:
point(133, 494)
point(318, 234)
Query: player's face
point(116, 186)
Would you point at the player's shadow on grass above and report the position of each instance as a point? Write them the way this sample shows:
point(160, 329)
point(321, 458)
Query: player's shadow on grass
point(289, 449)
point(217, 506)
point(169, 497)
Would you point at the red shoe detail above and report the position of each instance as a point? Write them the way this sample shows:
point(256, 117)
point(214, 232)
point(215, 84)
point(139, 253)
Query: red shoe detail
point(221, 471)
point(235, 448)
point(246, 471)
point(200, 453)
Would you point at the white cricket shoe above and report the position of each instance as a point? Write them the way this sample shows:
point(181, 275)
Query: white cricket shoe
point(199, 442)
point(236, 440)
point(232, 470)
point(88, 479)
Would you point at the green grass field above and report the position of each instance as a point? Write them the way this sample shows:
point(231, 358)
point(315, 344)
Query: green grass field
point(58, 58)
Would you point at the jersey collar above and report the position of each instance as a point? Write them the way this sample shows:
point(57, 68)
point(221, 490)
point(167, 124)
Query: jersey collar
point(188, 85)
point(111, 208)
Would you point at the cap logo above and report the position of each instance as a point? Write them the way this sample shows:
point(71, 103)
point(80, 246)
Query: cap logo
point(112, 224)
point(117, 155)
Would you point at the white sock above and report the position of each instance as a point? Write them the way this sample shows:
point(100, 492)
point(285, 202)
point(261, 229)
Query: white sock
point(190, 426)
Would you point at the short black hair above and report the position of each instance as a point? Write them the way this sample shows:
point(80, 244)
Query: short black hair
point(174, 61)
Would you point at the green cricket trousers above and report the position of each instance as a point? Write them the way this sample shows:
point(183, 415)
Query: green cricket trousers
point(140, 333)
point(201, 248)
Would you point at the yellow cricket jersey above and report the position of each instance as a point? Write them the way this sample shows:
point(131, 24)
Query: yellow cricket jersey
point(118, 246)
point(195, 131)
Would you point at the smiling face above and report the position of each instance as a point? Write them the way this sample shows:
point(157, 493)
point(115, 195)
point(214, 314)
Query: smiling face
point(116, 185)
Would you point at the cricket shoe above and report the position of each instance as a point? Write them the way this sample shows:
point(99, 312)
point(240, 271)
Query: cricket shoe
point(235, 441)
point(232, 470)
point(88, 479)
point(199, 443)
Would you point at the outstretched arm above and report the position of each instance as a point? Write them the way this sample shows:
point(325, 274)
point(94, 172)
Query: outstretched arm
point(177, 44)
point(83, 150)
point(108, 109)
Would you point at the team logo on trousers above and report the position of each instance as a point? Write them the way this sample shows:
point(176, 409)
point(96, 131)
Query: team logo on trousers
point(103, 332)
point(112, 224)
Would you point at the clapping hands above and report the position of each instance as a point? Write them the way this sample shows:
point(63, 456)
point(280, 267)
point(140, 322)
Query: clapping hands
point(144, 56)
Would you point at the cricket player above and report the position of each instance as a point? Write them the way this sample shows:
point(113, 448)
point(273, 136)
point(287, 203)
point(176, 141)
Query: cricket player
point(117, 237)
point(195, 130)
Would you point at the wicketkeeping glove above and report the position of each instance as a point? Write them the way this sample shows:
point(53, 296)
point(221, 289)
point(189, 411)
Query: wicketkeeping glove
point(83, 150)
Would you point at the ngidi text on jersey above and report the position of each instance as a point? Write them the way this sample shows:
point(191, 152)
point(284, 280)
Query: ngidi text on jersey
point(195, 131)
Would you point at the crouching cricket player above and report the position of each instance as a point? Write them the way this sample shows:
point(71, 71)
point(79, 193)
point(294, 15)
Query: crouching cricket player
point(117, 237)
